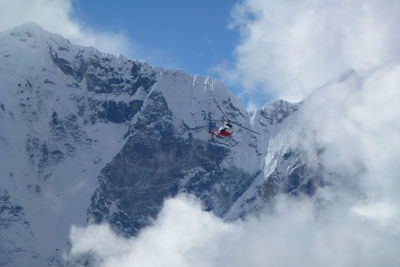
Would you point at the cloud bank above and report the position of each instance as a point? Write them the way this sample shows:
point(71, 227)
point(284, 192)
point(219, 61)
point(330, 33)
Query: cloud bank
point(289, 48)
point(183, 235)
point(56, 16)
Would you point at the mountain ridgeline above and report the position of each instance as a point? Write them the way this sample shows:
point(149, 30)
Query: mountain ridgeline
point(88, 137)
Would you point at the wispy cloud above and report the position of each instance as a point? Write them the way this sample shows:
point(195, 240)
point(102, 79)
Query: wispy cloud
point(56, 16)
point(289, 48)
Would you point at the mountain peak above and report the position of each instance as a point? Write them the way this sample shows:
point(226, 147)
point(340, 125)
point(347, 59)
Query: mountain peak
point(32, 33)
point(28, 26)
point(28, 29)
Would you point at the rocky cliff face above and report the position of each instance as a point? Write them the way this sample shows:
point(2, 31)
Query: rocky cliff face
point(86, 136)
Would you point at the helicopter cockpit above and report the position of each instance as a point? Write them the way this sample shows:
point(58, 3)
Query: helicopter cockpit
point(227, 128)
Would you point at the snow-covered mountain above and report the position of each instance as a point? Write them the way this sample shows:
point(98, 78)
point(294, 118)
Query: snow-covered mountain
point(91, 137)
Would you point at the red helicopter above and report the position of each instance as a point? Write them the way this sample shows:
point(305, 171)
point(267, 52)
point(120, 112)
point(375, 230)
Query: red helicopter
point(227, 129)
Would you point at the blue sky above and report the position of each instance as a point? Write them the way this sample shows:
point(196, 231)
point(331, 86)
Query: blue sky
point(190, 35)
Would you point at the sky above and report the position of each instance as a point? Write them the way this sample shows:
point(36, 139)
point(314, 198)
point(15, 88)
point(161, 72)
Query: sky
point(339, 57)
point(191, 35)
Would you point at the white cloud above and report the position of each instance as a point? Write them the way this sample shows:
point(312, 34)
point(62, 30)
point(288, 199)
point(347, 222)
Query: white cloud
point(291, 47)
point(56, 16)
point(356, 120)
point(380, 212)
point(184, 235)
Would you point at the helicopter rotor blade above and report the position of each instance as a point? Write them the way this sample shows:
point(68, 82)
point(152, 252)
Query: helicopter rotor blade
point(238, 124)
point(226, 117)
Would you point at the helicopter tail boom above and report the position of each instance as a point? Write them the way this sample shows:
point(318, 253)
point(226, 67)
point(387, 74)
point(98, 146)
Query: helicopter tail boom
point(212, 133)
